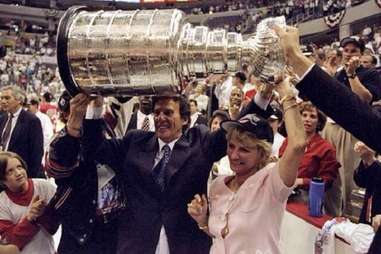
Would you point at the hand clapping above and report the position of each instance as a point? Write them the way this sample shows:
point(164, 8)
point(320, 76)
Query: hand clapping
point(36, 210)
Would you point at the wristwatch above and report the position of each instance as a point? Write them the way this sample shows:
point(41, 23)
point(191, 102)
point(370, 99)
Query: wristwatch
point(352, 76)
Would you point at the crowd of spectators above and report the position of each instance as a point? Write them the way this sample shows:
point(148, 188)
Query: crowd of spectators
point(317, 8)
point(217, 95)
point(30, 63)
point(295, 11)
point(232, 6)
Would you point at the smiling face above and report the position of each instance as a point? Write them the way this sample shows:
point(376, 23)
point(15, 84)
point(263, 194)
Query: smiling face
point(243, 159)
point(16, 179)
point(168, 121)
point(246, 154)
point(145, 104)
point(236, 97)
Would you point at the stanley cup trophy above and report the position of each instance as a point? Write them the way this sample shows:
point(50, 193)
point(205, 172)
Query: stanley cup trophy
point(147, 52)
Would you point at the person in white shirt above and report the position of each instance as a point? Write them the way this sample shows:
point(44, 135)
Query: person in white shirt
point(46, 123)
point(275, 121)
point(196, 117)
point(142, 119)
point(200, 97)
point(235, 102)
point(223, 91)
point(22, 205)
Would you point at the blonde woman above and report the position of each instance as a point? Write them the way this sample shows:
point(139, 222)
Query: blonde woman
point(246, 210)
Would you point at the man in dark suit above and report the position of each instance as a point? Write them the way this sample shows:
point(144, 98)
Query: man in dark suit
point(334, 99)
point(330, 96)
point(142, 119)
point(196, 117)
point(366, 84)
point(161, 170)
point(21, 131)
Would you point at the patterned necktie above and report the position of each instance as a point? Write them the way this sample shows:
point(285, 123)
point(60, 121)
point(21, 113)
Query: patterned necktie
point(159, 170)
point(145, 125)
point(7, 132)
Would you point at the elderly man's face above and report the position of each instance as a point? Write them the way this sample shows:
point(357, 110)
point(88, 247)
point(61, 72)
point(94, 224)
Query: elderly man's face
point(8, 101)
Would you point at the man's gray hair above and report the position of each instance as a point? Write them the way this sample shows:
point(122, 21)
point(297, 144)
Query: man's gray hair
point(17, 92)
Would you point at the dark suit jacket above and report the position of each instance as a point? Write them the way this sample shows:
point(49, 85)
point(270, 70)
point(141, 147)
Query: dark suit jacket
point(133, 123)
point(369, 78)
point(348, 110)
point(343, 106)
point(27, 141)
point(370, 179)
point(147, 207)
point(201, 120)
point(75, 203)
point(375, 247)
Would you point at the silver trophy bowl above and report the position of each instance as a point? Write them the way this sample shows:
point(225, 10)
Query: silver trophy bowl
point(147, 52)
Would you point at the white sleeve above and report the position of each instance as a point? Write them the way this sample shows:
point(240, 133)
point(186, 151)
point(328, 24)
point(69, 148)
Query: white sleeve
point(305, 74)
point(4, 211)
point(48, 132)
point(45, 189)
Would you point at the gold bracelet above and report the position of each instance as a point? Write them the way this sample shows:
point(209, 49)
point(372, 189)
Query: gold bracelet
point(205, 227)
point(291, 106)
point(287, 98)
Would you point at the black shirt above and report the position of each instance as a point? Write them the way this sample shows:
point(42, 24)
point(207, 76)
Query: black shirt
point(369, 78)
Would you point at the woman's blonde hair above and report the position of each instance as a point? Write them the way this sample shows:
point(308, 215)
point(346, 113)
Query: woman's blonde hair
point(249, 141)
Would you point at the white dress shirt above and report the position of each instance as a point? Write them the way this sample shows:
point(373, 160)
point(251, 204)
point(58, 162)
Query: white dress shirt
point(202, 101)
point(223, 92)
point(194, 118)
point(140, 120)
point(47, 128)
point(162, 246)
point(278, 141)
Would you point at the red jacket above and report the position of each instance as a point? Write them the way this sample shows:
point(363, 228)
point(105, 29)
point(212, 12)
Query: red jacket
point(319, 160)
